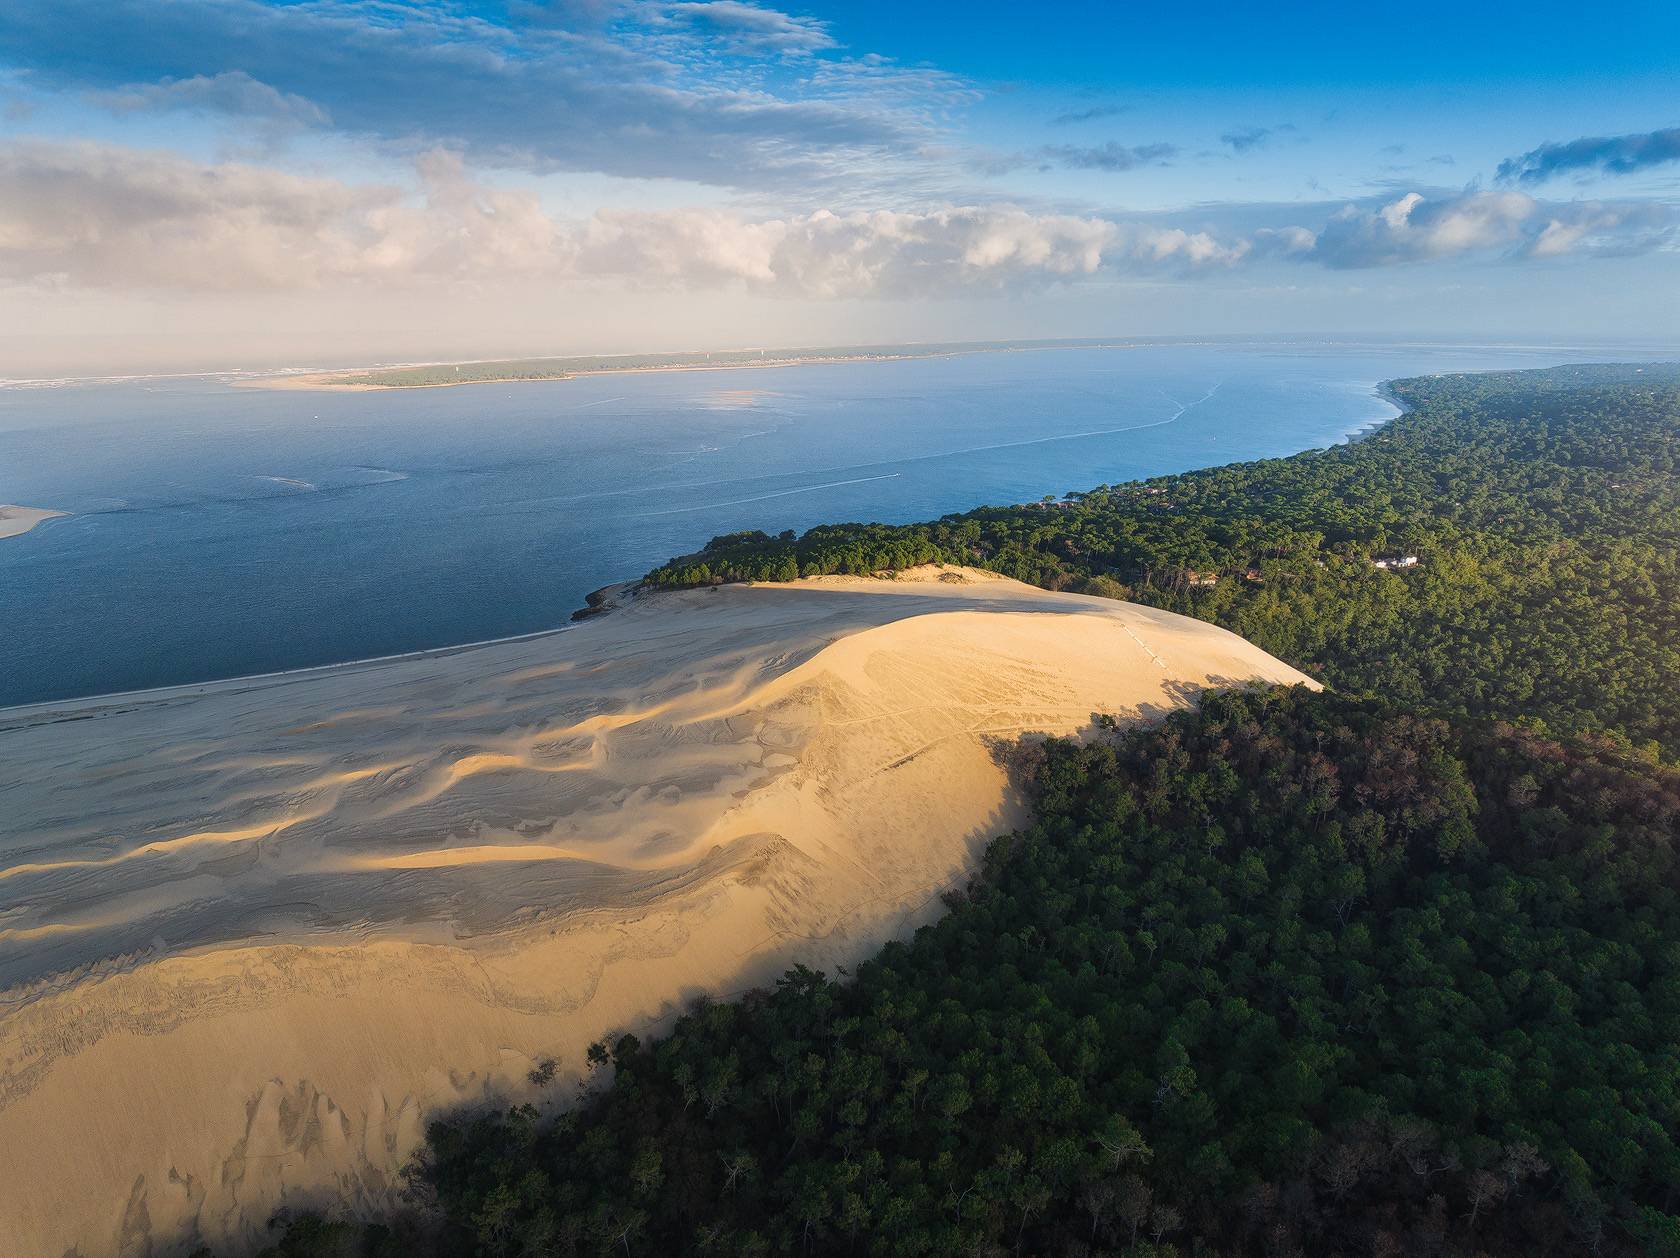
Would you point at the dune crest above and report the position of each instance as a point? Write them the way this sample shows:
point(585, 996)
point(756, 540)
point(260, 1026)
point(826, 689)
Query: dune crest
point(253, 933)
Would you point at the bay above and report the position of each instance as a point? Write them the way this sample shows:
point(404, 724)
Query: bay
point(219, 530)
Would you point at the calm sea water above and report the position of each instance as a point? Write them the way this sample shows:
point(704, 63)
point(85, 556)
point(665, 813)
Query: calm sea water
point(220, 531)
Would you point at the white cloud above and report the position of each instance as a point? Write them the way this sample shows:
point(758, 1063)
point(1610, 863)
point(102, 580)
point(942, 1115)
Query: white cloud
point(102, 217)
point(1397, 215)
point(1196, 248)
point(1284, 242)
point(1414, 227)
point(1592, 227)
point(1559, 237)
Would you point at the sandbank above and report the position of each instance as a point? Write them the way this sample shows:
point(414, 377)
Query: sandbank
point(339, 381)
point(16, 521)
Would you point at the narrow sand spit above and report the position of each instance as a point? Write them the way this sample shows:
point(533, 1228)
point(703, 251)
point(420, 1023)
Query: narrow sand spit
point(253, 933)
point(15, 521)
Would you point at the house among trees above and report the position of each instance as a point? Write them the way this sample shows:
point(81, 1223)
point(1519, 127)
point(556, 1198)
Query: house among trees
point(1202, 578)
point(1389, 562)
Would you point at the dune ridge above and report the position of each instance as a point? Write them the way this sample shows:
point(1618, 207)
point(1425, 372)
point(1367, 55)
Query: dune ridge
point(253, 933)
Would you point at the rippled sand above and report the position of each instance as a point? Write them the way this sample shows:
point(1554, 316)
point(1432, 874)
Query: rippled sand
point(253, 933)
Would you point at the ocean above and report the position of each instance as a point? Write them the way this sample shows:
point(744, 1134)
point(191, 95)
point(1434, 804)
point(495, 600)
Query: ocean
point(220, 531)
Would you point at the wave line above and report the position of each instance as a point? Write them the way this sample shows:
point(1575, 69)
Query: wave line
point(782, 493)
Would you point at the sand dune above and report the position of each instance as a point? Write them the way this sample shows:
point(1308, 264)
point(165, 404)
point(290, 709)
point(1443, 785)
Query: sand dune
point(253, 933)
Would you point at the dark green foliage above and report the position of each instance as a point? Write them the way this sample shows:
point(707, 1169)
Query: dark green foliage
point(1544, 507)
point(1291, 974)
point(827, 550)
point(311, 1236)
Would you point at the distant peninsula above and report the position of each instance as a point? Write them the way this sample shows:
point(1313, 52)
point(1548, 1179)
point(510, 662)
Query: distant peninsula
point(511, 370)
point(16, 521)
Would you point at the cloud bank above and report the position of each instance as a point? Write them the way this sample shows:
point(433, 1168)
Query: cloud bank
point(98, 216)
point(104, 217)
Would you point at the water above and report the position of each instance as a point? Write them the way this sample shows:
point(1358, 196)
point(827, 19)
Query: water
point(219, 531)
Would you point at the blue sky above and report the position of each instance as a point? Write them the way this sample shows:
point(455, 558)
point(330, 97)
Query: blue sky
point(209, 181)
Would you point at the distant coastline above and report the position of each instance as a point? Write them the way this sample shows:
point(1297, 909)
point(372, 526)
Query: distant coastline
point(16, 521)
point(523, 370)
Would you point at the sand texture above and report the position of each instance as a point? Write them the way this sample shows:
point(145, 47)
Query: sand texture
point(252, 934)
point(16, 521)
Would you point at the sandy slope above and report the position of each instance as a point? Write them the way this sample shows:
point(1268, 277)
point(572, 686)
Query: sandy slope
point(252, 933)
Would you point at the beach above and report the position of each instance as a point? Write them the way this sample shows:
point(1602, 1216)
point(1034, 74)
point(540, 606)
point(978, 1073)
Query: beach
point(16, 521)
point(257, 931)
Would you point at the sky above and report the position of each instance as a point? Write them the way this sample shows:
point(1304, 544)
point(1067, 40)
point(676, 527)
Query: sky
point(191, 184)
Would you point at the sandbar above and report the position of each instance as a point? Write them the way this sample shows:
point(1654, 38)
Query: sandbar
point(16, 521)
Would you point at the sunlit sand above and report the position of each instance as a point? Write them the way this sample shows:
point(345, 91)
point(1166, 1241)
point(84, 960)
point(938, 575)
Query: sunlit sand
point(253, 933)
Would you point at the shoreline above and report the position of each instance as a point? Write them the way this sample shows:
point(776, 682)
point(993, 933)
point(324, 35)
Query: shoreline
point(1382, 392)
point(15, 521)
point(611, 596)
point(190, 689)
